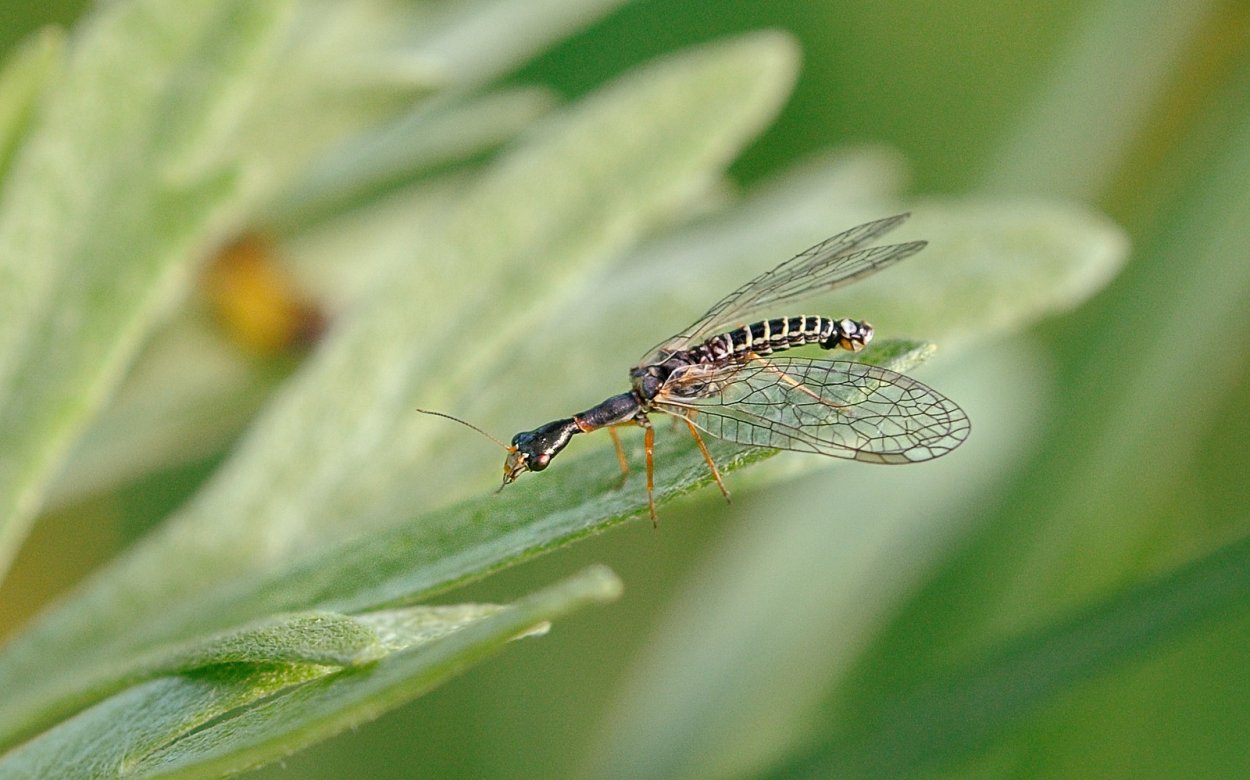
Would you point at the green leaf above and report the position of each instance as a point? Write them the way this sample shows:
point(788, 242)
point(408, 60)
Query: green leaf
point(342, 434)
point(24, 76)
point(353, 64)
point(192, 391)
point(1096, 506)
point(965, 707)
point(1054, 146)
point(498, 303)
point(990, 268)
point(371, 162)
point(472, 43)
point(188, 394)
point(403, 565)
point(246, 699)
point(800, 594)
point(433, 552)
point(102, 219)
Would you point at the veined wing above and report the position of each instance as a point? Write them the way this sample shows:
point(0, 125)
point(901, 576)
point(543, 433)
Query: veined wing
point(834, 262)
point(836, 408)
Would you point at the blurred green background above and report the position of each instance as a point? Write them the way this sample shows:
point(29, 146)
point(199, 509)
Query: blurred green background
point(1125, 456)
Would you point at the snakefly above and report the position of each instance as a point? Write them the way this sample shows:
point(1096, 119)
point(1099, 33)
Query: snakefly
point(720, 377)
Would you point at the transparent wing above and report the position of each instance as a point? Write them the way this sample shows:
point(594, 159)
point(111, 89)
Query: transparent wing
point(836, 408)
point(832, 263)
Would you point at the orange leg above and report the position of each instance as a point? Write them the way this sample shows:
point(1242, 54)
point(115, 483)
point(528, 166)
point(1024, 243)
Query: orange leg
point(711, 464)
point(620, 456)
point(648, 444)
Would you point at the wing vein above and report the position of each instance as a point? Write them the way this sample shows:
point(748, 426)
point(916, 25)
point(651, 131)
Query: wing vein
point(836, 408)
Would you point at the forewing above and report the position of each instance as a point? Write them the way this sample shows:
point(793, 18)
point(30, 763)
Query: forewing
point(835, 408)
point(833, 263)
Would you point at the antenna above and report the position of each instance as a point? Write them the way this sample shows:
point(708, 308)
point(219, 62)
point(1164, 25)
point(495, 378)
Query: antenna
point(467, 425)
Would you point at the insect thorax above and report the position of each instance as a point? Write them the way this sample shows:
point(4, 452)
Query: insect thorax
point(648, 378)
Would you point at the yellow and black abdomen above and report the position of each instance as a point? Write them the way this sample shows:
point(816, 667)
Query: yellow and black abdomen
point(775, 335)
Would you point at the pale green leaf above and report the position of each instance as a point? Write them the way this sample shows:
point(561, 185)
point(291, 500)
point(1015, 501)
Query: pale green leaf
point(403, 565)
point(371, 162)
point(25, 74)
point(585, 183)
point(102, 219)
point(482, 310)
point(247, 699)
point(471, 43)
point(191, 391)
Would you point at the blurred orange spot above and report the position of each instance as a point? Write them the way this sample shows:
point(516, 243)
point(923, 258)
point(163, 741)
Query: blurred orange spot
point(257, 302)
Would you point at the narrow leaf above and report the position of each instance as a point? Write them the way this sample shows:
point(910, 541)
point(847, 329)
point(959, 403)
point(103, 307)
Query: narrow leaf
point(964, 709)
point(585, 183)
point(25, 74)
point(476, 42)
point(101, 220)
point(406, 564)
point(247, 711)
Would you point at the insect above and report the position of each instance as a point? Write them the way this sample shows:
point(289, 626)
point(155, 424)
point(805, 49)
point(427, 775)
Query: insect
point(720, 377)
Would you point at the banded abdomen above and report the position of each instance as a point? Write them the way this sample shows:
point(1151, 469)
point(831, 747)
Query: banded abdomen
point(768, 336)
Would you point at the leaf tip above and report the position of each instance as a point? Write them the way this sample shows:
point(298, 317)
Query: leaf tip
point(601, 583)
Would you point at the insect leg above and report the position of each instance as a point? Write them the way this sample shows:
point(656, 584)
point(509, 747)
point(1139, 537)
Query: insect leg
point(648, 444)
point(620, 454)
point(711, 464)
